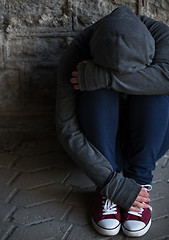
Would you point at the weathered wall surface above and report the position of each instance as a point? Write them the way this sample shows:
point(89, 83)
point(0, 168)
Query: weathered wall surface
point(33, 35)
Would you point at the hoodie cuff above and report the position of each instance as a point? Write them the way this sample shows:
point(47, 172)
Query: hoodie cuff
point(123, 191)
point(81, 76)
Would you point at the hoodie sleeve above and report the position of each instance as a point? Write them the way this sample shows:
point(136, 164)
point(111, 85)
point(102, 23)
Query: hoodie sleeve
point(152, 80)
point(113, 185)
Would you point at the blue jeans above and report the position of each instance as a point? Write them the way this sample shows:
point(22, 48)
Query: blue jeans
point(131, 131)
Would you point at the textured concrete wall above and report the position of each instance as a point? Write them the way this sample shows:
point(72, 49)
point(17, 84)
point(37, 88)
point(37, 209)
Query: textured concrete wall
point(33, 35)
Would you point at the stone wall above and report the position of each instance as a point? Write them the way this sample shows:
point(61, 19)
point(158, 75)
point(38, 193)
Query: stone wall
point(33, 36)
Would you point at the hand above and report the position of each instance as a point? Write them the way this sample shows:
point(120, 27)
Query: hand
point(84, 61)
point(142, 197)
point(74, 79)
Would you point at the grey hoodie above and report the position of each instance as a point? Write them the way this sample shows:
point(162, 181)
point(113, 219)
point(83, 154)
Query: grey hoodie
point(127, 53)
point(122, 43)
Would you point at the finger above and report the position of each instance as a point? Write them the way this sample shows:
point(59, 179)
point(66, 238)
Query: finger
point(75, 74)
point(76, 87)
point(135, 209)
point(74, 80)
point(140, 205)
point(144, 193)
point(142, 199)
point(84, 61)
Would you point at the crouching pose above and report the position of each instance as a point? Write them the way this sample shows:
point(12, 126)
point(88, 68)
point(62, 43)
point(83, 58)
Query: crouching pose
point(113, 114)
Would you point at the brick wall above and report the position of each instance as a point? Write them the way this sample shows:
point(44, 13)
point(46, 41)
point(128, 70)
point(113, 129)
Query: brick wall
point(33, 35)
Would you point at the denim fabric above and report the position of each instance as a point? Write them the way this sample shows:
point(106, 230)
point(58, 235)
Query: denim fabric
point(131, 139)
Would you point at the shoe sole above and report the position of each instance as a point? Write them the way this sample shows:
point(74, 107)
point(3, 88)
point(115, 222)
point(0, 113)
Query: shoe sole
point(139, 233)
point(105, 231)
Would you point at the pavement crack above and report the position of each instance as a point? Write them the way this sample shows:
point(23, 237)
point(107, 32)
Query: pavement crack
point(157, 181)
point(11, 195)
point(9, 216)
point(9, 232)
point(65, 179)
point(39, 222)
point(160, 217)
point(156, 199)
point(165, 164)
point(13, 178)
point(67, 232)
point(66, 213)
point(13, 163)
point(40, 203)
point(41, 185)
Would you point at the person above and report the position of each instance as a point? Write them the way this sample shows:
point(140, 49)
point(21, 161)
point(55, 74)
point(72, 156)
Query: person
point(112, 114)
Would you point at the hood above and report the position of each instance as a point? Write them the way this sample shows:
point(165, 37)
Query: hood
point(122, 43)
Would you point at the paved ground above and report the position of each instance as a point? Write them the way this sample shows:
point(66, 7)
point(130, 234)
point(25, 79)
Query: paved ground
point(44, 196)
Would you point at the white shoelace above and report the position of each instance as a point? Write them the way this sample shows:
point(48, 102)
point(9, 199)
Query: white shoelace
point(109, 207)
point(139, 214)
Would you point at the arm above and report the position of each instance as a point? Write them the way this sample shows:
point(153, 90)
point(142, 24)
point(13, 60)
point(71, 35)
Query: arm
point(153, 79)
point(68, 129)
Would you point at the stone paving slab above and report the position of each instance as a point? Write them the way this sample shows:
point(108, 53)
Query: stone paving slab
point(42, 212)
point(45, 196)
point(48, 230)
point(41, 162)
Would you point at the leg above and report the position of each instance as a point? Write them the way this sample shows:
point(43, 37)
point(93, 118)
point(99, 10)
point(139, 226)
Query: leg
point(165, 146)
point(148, 119)
point(98, 118)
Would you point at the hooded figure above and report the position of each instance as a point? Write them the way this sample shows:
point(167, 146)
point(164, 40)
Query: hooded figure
point(121, 54)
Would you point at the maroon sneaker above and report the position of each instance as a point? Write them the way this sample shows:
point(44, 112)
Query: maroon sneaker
point(106, 216)
point(137, 224)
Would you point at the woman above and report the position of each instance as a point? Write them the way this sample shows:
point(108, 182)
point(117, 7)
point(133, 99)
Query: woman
point(117, 66)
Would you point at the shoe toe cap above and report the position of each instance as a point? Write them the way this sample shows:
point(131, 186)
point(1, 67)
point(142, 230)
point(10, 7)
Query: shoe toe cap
point(133, 225)
point(108, 223)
